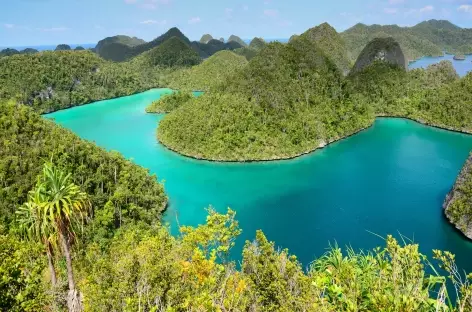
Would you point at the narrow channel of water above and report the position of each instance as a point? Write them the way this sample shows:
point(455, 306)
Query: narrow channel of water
point(389, 179)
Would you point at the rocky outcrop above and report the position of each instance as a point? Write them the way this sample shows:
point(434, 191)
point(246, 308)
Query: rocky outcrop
point(459, 57)
point(458, 203)
point(381, 49)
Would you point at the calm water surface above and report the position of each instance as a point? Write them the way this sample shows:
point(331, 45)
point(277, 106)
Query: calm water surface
point(391, 178)
point(462, 67)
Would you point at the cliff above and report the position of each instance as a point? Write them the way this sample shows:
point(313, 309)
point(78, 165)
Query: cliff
point(458, 203)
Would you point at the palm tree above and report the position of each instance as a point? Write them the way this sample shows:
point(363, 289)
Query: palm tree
point(54, 212)
point(34, 228)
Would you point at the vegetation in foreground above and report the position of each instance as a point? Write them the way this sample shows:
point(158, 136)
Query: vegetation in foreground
point(144, 268)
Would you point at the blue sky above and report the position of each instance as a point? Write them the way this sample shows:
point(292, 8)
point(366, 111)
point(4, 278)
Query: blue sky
point(44, 22)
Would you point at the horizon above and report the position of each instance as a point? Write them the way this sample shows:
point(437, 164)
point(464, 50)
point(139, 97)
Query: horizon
point(247, 40)
point(147, 19)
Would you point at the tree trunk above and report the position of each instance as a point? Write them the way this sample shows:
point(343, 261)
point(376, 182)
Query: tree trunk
point(52, 271)
point(73, 300)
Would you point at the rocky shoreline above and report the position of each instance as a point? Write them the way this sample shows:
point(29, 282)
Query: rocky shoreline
point(457, 206)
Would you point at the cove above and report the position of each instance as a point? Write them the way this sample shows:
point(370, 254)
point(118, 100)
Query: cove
point(391, 178)
point(462, 67)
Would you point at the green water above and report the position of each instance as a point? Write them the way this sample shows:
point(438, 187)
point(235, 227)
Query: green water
point(391, 178)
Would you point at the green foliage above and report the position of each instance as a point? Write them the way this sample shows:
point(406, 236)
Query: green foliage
point(21, 276)
point(120, 192)
point(8, 52)
point(247, 52)
point(109, 48)
point(169, 102)
point(331, 43)
point(286, 102)
point(205, 38)
point(413, 43)
point(434, 96)
point(381, 49)
point(172, 53)
point(429, 38)
point(120, 49)
point(63, 47)
point(257, 43)
point(458, 204)
point(212, 72)
point(49, 81)
point(234, 38)
point(145, 268)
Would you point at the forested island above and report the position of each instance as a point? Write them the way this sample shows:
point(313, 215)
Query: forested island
point(80, 227)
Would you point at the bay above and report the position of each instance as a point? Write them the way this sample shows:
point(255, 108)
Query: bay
point(389, 179)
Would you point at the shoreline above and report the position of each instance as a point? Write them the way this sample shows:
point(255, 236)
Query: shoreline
point(283, 158)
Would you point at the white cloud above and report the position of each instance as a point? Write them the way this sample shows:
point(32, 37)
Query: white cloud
point(9, 26)
point(148, 4)
point(426, 9)
point(152, 22)
point(271, 13)
point(194, 20)
point(53, 29)
point(467, 8)
point(391, 10)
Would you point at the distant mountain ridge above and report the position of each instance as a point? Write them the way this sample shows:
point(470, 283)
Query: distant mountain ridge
point(428, 38)
point(119, 51)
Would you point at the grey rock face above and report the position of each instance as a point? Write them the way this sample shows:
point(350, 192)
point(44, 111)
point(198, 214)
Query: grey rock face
point(381, 49)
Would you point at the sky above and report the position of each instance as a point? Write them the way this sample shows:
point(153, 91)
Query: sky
point(50, 22)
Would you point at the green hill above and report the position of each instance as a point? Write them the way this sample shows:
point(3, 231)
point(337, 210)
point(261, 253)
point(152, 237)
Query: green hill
point(257, 43)
point(8, 52)
point(236, 39)
point(445, 35)
point(171, 53)
point(332, 44)
point(119, 51)
point(29, 51)
point(213, 46)
point(413, 46)
point(103, 51)
point(169, 102)
point(63, 47)
point(284, 103)
point(429, 38)
point(205, 38)
point(49, 80)
point(381, 49)
point(213, 71)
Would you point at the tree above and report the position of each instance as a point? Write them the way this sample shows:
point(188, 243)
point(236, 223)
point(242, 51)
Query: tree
point(55, 208)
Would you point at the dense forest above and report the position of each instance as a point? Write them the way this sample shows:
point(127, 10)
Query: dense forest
point(429, 38)
point(291, 99)
point(207, 75)
point(80, 227)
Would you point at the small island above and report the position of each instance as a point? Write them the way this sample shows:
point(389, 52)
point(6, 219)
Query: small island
point(459, 57)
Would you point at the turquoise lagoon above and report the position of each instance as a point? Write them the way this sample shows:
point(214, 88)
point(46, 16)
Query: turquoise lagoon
point(389, 179)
